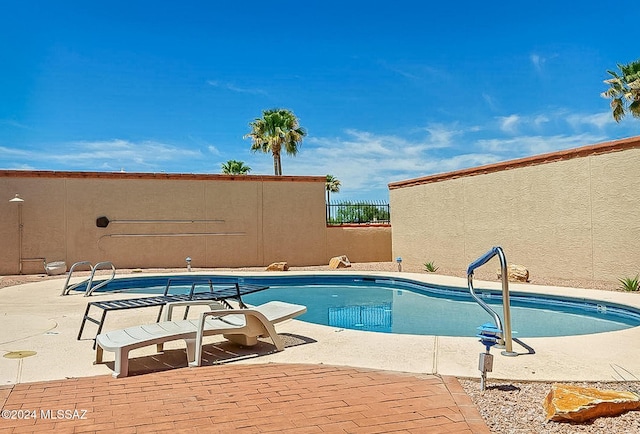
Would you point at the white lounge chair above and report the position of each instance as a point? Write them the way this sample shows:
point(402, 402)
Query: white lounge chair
point(242, 326)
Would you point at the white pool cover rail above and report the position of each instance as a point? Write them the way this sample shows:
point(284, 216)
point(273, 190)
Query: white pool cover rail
point(505, 329)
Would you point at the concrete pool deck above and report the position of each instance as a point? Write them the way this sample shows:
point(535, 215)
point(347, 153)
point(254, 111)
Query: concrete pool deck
point(36, 318)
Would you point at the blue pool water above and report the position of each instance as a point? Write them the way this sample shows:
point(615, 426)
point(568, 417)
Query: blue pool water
point(394, 305)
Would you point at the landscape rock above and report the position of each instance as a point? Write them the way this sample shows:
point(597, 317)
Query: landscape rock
point(566, 403)
point(278, 266)
point(339, 262)
point(516, 273)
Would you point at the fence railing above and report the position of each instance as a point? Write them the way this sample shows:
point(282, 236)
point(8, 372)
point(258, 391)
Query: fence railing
point(341, 213)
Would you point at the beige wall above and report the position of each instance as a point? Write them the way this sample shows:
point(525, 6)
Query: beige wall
point(157, 220)
point(571, 214)
point(361, 243)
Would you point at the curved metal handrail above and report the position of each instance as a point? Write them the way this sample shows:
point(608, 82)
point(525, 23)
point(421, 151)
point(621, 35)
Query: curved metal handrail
point(67, 288)
point(104, 264)
point(485, 306)
point(89, 281)
point(506, 338)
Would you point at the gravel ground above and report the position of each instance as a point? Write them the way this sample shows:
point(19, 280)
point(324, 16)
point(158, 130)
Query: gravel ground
point(516, 408)
point(507, 407)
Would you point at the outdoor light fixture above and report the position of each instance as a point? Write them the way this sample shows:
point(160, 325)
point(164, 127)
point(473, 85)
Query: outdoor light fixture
point(17, 199)
point(399, 261)
point(188, 259)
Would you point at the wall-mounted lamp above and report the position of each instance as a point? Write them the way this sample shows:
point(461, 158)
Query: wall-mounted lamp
point(18, 200)
point(188, 259)
point(399, 261)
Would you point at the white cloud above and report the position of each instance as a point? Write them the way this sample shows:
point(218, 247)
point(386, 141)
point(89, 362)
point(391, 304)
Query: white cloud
point(540, 120)
point(598, 120)
point(12, 123)
point(441, 136)
point(557, 118)
point(490, 101)
point(509, 124)
point(532, 145)
point(104, 155)
point(13, 152)
point(147, 154)
point(20, 166)
point(366, 162)
point(416, 72)
point(232, 87)
point(399, 71)
point(537, 61)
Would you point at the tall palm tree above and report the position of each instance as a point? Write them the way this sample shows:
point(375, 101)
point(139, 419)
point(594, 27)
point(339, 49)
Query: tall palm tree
point(276, 130)
point(624, 89)
point(332, 185)
point(235, 167)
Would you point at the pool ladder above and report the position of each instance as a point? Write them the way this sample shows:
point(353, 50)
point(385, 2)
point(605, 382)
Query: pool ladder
point(90, 288)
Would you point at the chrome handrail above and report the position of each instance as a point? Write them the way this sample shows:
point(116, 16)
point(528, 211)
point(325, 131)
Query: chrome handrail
point(67, 288)
point(506, 335)
point(103, 264)
point(89, 281)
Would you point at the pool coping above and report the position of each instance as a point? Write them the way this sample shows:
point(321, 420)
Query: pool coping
point(37, 318)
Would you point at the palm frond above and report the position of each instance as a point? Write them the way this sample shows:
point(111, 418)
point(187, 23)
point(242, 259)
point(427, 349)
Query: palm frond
point(634, 108)
point(624, 89)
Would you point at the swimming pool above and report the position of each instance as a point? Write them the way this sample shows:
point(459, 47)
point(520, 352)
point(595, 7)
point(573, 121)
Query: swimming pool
point(400, 305)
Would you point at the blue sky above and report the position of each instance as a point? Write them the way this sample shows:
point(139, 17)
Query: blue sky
point(386, 90)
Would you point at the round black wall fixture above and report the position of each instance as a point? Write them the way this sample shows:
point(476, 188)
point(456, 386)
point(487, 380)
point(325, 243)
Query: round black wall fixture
point(102, 222)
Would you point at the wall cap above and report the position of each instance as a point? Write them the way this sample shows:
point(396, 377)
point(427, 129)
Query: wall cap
point(158, 176)
point(585, 151)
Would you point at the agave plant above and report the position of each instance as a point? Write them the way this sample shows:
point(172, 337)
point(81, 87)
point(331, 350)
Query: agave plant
point(430, 267)
point(630, 283)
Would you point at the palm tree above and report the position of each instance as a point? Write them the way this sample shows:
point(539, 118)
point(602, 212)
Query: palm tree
point(332, 185)
point(624, 89)
point(275, 130)
point(235, 167)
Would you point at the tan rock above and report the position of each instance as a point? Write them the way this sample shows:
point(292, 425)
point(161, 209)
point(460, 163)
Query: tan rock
point(339, 262)
point(516, 273)
point(566, 403)
point(278, 266)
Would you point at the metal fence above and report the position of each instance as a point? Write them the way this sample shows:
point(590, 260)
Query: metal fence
point(357, 213)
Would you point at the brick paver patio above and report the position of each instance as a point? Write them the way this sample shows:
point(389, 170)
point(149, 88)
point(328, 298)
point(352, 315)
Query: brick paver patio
point(244, 398)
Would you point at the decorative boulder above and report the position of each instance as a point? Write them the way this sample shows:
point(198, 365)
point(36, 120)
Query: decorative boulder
point(566, 403)
point(278, 266)
point(516, 273)
point(339, 262)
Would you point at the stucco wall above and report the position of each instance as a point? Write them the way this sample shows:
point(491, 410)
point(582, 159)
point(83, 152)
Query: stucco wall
point(360, 243)
point(566, 215)
point(159, 220)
